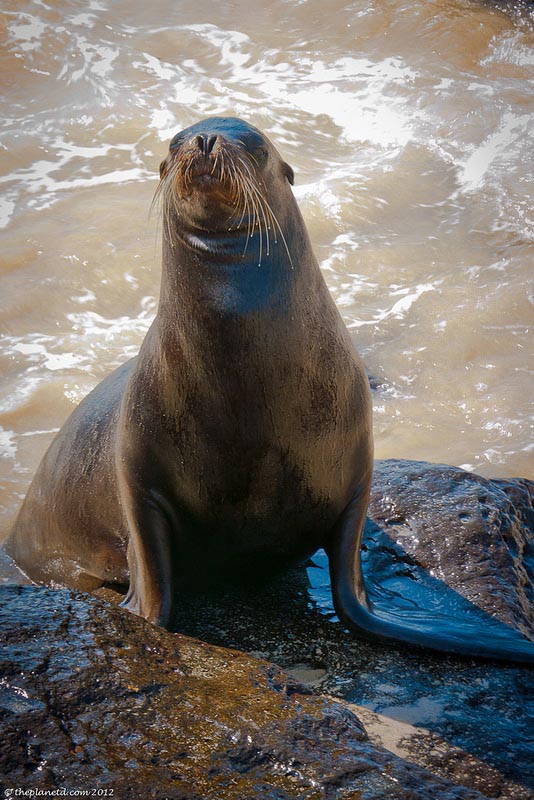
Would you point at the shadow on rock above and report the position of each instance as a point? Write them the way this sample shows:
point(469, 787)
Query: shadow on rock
point(456, 548)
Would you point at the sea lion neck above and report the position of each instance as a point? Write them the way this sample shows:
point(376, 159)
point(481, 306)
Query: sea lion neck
point(235, 273)
point(227, 314)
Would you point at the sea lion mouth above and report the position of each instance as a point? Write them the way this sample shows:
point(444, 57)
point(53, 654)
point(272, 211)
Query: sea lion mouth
point(204, 173)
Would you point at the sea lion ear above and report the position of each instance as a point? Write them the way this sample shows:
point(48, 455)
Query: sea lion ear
point(288, 172)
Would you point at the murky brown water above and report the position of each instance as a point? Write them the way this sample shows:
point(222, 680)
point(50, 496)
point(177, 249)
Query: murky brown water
point(410, 126)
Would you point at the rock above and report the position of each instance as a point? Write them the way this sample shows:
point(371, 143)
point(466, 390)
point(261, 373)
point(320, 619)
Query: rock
point(470, 721)
point(94, 698)
point(473, 534)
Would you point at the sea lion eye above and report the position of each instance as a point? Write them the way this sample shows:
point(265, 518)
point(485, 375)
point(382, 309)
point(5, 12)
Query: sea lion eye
point(260, 155)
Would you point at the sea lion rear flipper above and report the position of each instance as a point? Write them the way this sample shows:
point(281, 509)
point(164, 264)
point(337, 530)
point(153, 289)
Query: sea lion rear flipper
point(356, 611)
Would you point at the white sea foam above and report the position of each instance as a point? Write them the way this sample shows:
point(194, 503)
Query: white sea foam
point(84, 20)
point(96, 326)
point(501, 146)
point(8, 444)
point(510, 49)
point(20, 394)
point(230, 43)
point(39, 354)
point(46, 177)
point(26, 30)
point(399, 308)
point(7, 207)
point(349, 90)
point(96, 62)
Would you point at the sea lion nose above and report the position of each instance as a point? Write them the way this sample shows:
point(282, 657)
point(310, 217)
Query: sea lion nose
point(205, 143)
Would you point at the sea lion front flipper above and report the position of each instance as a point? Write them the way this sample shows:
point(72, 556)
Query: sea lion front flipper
point(151, 560)
point(356, 612)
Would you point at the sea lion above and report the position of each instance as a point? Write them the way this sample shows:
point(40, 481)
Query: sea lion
point(241, 436)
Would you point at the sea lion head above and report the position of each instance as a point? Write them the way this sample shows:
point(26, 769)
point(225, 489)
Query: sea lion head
point(223, 177)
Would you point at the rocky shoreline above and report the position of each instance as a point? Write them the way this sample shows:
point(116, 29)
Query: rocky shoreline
point(93, 698)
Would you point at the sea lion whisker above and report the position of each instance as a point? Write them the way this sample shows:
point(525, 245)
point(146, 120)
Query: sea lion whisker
point(267, 214)
point(236, 185)
point(235, 220)
point(187, 175)
point(249, 181)
point(171, 196)
point(157, 202)
point(237, 197)
point(250, 205)
point(248, 210)
point(278, 226)
point(161, 200)
point(246, 166)
point(255, 221)
point(215, 163)
point(261, 204)
point(224, 166)
point(253, 183)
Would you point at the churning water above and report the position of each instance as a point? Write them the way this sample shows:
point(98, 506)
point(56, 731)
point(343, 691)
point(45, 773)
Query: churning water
point(410, 126)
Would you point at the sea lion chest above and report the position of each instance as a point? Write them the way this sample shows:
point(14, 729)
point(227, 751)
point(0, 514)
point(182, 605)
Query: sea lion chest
point(255, 435)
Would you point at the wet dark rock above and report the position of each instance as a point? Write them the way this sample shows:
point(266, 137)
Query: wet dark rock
point(473, 534)
point(95, 698)
point(465, 719)
point(92, 696)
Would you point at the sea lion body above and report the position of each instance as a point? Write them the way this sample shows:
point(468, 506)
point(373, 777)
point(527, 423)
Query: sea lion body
point(240, 438)
point(243, 426)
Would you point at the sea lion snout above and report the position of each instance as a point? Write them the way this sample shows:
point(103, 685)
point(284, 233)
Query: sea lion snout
point(205, 142)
